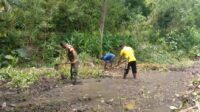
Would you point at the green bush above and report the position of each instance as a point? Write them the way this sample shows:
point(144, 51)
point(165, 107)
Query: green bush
point(186, 40)
point(17, 78)
point(84, 71)
point(154, 54)
point(22, 78)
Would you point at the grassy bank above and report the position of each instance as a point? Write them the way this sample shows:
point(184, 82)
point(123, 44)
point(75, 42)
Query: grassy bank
point(23, 77)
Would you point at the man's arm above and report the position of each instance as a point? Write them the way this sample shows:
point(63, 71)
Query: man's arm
point(119, 61)
point(75, 55)
point(121, 56)
point(122, 60)
point(73, 61)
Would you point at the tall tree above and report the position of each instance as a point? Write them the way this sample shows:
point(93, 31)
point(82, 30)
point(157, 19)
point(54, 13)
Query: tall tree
point(102, 23)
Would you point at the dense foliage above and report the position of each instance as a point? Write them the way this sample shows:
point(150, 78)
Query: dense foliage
point(159, 30)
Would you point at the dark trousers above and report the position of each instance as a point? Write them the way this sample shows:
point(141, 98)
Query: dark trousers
point(74, 72)
point(131, 64)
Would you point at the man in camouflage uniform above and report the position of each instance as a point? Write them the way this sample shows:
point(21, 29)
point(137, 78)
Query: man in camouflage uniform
point(72, 59)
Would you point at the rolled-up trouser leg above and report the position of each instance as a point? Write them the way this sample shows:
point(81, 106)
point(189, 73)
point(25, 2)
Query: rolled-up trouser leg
point(125, 73)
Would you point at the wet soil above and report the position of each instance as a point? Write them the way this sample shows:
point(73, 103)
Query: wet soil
point(152, 91)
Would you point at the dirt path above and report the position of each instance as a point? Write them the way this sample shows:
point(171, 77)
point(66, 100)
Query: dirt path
point(152, 92)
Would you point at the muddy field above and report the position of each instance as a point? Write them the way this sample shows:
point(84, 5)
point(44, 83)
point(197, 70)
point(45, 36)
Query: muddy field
point(152, 91)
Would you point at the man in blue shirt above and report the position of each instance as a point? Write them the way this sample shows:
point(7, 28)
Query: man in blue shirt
point(108, 58)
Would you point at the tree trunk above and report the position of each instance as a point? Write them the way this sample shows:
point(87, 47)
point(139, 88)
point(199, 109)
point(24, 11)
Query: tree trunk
point(102, 24)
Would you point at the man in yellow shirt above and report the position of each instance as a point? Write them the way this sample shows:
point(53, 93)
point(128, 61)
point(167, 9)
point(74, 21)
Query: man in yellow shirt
point(128, 53)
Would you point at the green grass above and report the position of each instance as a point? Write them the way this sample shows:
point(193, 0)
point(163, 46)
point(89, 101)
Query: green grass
point(184, 62)
point(24, 77)
point(83, 71)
